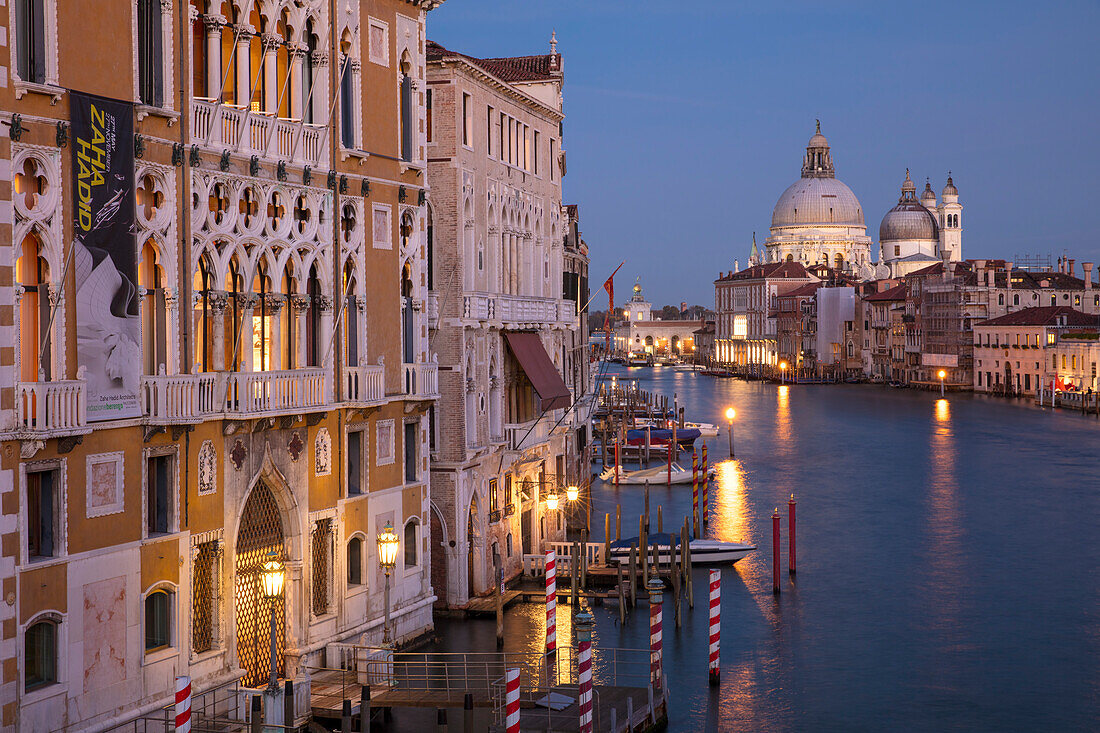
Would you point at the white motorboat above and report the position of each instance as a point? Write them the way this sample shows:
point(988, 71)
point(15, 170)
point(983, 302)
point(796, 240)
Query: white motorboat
point(689, 367)
point(656, 475)
point(706, 429)
point(703, 552)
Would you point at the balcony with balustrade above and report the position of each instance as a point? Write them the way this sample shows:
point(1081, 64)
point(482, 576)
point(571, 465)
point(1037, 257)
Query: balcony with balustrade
point(515, 310)
point(51, 409)
point(420, 381)
point(364, 385)
point(526, 435)
point(237, 129)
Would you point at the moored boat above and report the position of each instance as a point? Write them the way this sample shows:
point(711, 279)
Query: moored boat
point(655, 475)
point(703, 552)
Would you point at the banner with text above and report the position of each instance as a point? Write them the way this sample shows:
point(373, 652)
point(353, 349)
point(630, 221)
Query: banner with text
point(108, 315)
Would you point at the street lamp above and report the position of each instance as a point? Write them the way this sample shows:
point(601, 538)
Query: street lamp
point(387, 558)
point(272, 576)
point(552, 502)
point(942, 375)
point(782, 371)
point(571, 493)
point(730, 414)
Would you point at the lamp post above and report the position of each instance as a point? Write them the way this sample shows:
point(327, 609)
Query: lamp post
point(387, 558)
point(942, 375)
point(272, 577)
point(730, 414)
point(782, 371)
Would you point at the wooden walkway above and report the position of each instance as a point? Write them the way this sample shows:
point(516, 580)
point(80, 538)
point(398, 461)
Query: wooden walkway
point(487, 605)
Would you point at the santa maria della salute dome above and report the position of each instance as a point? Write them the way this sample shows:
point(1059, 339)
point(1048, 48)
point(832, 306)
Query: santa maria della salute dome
point(818, 220)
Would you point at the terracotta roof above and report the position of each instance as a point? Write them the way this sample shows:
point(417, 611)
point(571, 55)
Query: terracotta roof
point(801, 291)
point(776, 270)
point(1042, 316)
point(509, 69)
point(894, 293)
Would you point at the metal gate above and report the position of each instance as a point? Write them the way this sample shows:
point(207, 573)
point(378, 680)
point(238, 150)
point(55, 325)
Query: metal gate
point(261, 533)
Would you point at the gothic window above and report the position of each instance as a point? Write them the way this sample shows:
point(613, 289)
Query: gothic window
point(350, 319)
point(150, 53)
point(203, 325)
point(288, 322)
point(406, 116)
point(313, 319)
point(231, 321)
point(154, 319)
point(30, 40)
point(32, 273)
point(347, 108)
point(262, 321)
point(308, 73)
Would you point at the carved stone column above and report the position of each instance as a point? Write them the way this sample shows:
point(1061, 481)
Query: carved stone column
point(299, 305)
point(271, 43)
point(213, 25)
point(274, 303)
point(218, 302)
point(297, 94)
point(171, 335)
point(242, 58)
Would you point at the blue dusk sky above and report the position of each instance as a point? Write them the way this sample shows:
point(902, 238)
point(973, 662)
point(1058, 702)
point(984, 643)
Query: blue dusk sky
point(685, 121)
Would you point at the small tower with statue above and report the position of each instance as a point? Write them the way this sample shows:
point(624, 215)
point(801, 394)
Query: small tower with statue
point(638, 309)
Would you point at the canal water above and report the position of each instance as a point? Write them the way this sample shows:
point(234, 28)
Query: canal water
point(947, 563)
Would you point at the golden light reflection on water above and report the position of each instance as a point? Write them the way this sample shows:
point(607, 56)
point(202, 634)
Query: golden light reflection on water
point(944, 523)
point(730, 509)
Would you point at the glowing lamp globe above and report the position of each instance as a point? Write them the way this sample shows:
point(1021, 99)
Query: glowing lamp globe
point(552, 502)
point(387, 547)
point(730, 414)
point(942, 374)
point(272, 576)
point(571, 493)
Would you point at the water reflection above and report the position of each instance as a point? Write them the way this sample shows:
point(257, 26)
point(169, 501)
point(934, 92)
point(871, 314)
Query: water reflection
point(730, 519)
point(944, 525)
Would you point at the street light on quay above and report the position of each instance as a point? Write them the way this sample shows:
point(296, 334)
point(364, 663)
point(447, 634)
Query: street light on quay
point(782, 371)
point(730, 414)
point(942, 375)
point(272, 577)
point(387, 558)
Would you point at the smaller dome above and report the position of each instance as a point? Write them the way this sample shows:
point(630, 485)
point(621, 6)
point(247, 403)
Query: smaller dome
point(928, 196)
point(909, 220)
point(949, 189)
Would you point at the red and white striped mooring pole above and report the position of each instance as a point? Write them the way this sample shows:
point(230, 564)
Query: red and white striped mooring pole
point(511, 699)
point(706, 487)
point(715, 623)
point(551, 602)
point(584, 623)
point(183, 705)
point(775, 552)
point(655, 586)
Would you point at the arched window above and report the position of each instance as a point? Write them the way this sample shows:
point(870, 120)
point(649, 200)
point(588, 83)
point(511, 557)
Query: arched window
point(355, 561)
point(234, 286)
point(313, 319)
point(1000, 299)
point(40, 655)
point(412, 557)
point(261, 321)
point(34, 312)
point(351, 319)
point(307, 73)
point(288, 322)
point(158, 620)
point(203, 324)
point(407, 122)
point(408, 332)
point(154, 320)
point(198, 52)
point(150, 55)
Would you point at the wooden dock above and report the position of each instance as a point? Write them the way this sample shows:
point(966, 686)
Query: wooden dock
point(487, 605)
point(543, 720)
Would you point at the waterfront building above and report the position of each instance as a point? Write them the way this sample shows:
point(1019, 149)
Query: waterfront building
point(507, 435)
point(746, 331)
point(198, 372)
point(885, 332)
point(641, 333)
point(703, 339)
point(1018, 351)
point(796, 322)
point(919, 232)
point(818, 219)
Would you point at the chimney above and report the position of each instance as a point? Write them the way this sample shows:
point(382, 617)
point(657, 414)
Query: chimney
point(1087, 267)
point(1008, 274)
point(1069, 270)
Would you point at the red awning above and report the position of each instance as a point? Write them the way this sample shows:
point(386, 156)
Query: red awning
point(539, 368)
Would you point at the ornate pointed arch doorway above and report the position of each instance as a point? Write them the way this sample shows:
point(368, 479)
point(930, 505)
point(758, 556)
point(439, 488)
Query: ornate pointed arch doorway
point(260, 533)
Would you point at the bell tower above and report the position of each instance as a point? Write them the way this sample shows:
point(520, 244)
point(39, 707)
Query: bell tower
point(950, 211)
